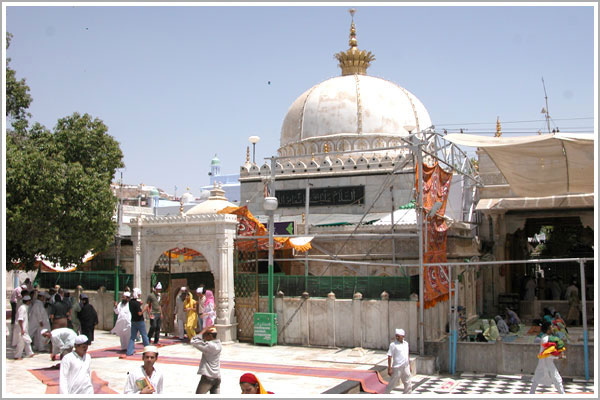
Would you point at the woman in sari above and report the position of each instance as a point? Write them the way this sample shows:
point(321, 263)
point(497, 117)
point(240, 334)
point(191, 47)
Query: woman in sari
point(191, 322)
point(209, 314)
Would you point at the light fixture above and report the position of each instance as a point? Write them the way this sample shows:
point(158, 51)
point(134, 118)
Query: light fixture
point(253, 140)
point(270, 203)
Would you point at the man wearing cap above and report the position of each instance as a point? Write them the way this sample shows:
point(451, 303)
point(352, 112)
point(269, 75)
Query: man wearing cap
point(210, 364)
point(122, 327)
point(62, 339)
point(399, 363)
point(88, 318)
point(145, 379)
point(38, 320)
point(15, 298)
point(137, 321)
point(154, 312)
point(75, 370)
point(21, 339)
point(200, 305)
point(180, 314)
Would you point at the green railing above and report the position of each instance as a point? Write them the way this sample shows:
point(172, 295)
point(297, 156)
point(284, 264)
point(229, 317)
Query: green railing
point(88, 280)
point(344, 287)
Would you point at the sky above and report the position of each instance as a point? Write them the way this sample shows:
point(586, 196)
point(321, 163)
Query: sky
point(177, 85)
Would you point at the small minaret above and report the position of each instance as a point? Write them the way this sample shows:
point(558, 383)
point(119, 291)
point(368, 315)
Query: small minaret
point(498, 128)
point(215, 166)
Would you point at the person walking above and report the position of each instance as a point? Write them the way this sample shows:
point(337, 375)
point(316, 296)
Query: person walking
point(180, 313)
point(75, 369)
point(60, 312)
point(210, 364)
point(154, 312)
point(75, 309)
point(145, 379)
point(38, 320)
point(62, 340)
point(209, 314)
point(201, 301)
point(192, 316)
point(546, 372)
point(15, 298)
point(137, 321)
point(88, 317)
point(122, 326)
point(21, 339)
point(399, 363)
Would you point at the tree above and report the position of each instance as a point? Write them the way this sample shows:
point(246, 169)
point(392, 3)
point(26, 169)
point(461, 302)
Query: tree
point(18, 98)
point(59, 203)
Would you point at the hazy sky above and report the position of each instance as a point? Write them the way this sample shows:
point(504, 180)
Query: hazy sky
point(175, 85)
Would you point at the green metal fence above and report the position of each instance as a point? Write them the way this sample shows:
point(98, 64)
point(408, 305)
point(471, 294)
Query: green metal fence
point(344, 287)
point(88, 280)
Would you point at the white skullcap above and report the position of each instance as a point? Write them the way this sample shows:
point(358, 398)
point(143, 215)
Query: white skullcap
point(43, 331)
point(158, 286)
point(81, 339)
point(23, 286)
point(183, 288)
point(152, 349)
point(126, 294)
point(199, 290)
point(26, 297)
point(400, 332)
point(136, 292)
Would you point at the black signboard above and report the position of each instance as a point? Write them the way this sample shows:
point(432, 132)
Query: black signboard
point(331, 196)
point(284, 228)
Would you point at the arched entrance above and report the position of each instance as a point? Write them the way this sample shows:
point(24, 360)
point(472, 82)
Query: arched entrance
point(211, 235)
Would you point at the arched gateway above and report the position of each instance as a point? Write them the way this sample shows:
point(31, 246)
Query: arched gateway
point(210, 234)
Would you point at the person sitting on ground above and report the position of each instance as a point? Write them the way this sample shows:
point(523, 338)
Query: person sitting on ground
point(145, 379)
point(250, 384)
point(62, 339)
point(502, 327)
point(491, 333)
point(512, 320)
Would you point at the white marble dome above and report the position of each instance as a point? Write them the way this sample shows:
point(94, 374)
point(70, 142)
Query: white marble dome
point(349, 108)
point(216, 202)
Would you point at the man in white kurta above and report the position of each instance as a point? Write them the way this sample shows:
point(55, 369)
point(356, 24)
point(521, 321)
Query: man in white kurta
point(145, 379)
point(399, 363)
point(38, 320)
point(180, 313)
point(122, 327)
point(21, 339)
point(63, 341)
point(546, 372)
point(76, 371)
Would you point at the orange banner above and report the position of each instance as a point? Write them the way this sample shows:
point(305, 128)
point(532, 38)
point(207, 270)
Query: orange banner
point(436, 186)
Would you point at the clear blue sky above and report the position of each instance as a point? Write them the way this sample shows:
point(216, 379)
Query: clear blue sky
point(175, 85)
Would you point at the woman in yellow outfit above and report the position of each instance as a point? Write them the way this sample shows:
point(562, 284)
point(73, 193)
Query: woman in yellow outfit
point(191, 321)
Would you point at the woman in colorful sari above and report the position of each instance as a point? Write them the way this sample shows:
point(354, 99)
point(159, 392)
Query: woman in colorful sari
point(191, 322)
point(209, 314)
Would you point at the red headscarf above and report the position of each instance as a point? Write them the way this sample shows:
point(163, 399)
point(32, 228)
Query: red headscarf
point(253, 380)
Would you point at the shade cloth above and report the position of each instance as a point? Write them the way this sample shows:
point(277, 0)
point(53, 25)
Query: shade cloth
point(541, 165)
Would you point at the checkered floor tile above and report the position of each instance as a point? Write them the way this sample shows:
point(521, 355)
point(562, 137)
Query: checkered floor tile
point(489, 384)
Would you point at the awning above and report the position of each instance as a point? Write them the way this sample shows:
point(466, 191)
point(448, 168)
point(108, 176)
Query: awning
point(537, 203)
point(541, 165)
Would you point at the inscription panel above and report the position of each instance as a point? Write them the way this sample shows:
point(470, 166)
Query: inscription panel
point(331, 196)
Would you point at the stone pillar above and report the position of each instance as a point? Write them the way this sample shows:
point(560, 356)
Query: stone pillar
point(225, 323)
point(499, 249)
point(357, 319)
point(136, 237)
point(331, 320)
point(385, 329)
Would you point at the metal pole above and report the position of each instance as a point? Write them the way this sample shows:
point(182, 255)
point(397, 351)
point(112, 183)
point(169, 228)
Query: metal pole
point(584, 318)
point(419, 209)
point(306, 211)
point(393, 239)
point(271, 228)
point(454, 323)
point(118, 244)
point(450, 320)
point(253, 153)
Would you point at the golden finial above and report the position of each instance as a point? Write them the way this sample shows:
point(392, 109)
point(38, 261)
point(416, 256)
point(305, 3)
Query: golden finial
point(326, 148)
point(181, 206)
point(498, 128)
point(303, 218)
point(354, 61)
point(312, 156)
point(187, 188)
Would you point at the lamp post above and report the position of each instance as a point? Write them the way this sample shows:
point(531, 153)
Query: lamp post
point(419, 209)
point(270, 205)
point(253, 140)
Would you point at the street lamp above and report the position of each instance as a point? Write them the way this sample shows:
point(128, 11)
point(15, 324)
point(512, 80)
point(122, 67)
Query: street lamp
point(253, 140)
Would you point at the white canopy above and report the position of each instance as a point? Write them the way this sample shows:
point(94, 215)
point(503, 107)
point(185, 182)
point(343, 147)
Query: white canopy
point(541, 165)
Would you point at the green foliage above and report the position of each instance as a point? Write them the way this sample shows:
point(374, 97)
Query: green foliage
point(58, 198)
point(18, 98)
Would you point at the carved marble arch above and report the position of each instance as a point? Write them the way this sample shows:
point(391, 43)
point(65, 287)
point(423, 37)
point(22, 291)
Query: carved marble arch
point(290, 151)
point(282, 152)
point(207, 252)
point(361, 144)
point(344, 145)
point(300, 150)
point(394, 143)
point(378, 143)
point(314, 148)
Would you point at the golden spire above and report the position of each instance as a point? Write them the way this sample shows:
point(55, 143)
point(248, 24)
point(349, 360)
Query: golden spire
point(354, 61)
point(326, 148)
point(312, 157)
point(498, 128)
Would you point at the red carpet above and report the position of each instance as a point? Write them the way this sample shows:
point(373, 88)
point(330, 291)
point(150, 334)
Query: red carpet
point(116, 350)
point(50, 377)
point(370, 381)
